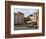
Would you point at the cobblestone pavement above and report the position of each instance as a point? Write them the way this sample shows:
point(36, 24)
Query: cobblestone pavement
point(23, 27)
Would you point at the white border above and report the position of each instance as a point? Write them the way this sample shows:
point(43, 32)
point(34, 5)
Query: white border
point(26, 31)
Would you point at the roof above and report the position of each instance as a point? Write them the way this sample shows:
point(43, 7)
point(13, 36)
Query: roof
point(30, 15)
point(20, 13)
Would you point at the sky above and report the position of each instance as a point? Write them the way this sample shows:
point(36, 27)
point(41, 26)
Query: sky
point(25, 11)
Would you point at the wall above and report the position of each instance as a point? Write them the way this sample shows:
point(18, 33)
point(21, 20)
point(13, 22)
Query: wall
point(2, 20)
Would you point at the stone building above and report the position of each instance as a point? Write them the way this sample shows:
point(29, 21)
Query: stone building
point(33, 17)
point(18, 18)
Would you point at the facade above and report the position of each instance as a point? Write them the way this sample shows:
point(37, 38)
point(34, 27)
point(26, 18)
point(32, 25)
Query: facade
point(34, 20)
point(33, 17)
point(18, 18)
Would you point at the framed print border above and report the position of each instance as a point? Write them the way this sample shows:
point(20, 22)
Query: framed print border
point(8, 19)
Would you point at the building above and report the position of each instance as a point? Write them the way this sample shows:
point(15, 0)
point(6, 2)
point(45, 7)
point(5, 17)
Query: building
point(18, 18)
point(33, 17)
point(33, 20)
